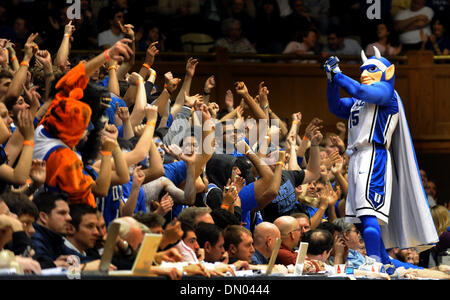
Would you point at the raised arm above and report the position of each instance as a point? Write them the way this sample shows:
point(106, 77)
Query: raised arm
point(210, 83)
point(103, 181)
point(129, 207)
point(142, 147)
point(137, 115)
point(312, 171)
point(64, 49)
point(256, 110)
point(144, 71)
point(21, 171)
point(170, 86)
point(378, 93)
point(265, 187)
point(12, 56)
point(156, 168)
point(126, 65)
point(191, 64)
point(44, 57)
point(16, 86)
point(119, 51)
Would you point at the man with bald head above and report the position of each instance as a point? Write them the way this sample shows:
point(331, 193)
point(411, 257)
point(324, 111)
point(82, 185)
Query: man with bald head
point(290, 238)
point(264, 238)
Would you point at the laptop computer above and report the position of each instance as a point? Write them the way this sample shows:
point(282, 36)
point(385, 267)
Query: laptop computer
point(273, 257)
point(144, 258)
point(108, 250)
point(302, 249)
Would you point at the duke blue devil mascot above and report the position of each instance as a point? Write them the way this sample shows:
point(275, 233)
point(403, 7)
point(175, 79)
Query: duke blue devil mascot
point(386, 199)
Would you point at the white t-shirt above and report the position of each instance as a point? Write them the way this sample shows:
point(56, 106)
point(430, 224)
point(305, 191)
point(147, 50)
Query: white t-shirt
point(107, 37)
point(413, 36)
point(293, 47)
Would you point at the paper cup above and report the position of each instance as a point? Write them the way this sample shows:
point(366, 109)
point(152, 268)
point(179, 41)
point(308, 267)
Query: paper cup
point(339, 269)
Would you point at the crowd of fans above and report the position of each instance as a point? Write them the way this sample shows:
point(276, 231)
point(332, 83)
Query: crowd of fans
point(323, 27)
point(86, 144)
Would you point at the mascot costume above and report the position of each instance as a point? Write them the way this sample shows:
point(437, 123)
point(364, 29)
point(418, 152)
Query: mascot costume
point(386, 199)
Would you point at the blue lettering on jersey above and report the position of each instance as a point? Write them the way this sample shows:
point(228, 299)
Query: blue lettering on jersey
point(109, 205)
point(286, 197)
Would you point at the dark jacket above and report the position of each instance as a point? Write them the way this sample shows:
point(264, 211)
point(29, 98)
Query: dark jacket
point(48, 246)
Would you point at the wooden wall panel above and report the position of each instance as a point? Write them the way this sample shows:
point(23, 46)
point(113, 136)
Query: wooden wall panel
point(422, 85)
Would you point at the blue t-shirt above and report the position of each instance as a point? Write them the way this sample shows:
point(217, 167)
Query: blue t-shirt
point(120, 131)
point(248, 203)
point(109, 205)
point(285, 202)
point(176, 172)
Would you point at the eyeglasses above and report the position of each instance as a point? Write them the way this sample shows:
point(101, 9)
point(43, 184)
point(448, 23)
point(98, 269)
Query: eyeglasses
point(354, 230)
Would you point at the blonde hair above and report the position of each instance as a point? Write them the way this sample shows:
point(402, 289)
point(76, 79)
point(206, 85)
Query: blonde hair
point(441, 218)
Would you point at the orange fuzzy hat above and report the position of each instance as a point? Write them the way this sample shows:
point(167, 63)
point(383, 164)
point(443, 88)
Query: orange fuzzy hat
point(67, 118)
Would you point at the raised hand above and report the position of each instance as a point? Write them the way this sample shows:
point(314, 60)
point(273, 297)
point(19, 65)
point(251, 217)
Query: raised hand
point(127, 29)
point(241, 88)
point(38, 171)
point(190, 66)
point(138, 176)
point(229, 102)
point(44, 57)
point(108, 143)
point(122, 112)
point(263, 90)
point(210, 83)
point(213, 108)
point(120, 51)
point(315, 124)
point(171, 83)
point(135, 78)
point(316, 137)
point(151, 52)
point(69, 29)
point(151, 112)
point(331, 67)
point(110, 130)
point(30, 47)
point(25, 124)
point(203, 108)
point(190, 100)
point(32, 95)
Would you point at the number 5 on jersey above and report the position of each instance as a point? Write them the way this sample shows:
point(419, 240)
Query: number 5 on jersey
point(354, 118)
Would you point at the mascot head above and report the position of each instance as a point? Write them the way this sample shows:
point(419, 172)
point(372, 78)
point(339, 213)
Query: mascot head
point(376, 69)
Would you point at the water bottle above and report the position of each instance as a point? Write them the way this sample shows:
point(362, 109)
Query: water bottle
point(349, 269)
